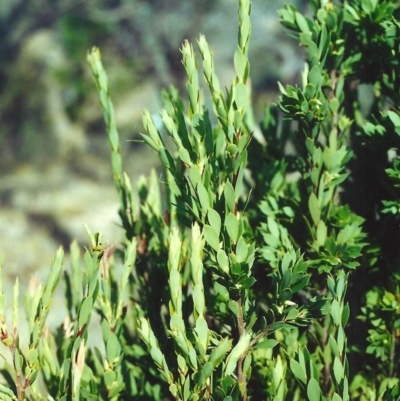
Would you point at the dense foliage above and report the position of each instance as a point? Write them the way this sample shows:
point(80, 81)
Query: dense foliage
point(269, 267)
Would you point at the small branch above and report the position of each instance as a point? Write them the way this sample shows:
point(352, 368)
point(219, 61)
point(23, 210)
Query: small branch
point(259, 336)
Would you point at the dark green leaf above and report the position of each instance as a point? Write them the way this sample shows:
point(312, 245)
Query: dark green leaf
point(285, 295)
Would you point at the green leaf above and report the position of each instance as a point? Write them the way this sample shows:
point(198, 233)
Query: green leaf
point(247, 282)
point(215, 220)
point(314, 76)
point(338, 369)
point(313, 390)
point(336, 397)
point(234, 307)
point(32, 357)
point(285, 295)
point(232, 149)
point(109, 377)
point(184, 156)
point(367, 6)
point(157, 355)
point(241, 96)
point(113, 348)
point(232, 227)
point(345, 315)
point(239, 180)
point(286, 279)
point(278, 374)
point(207, 370)
point(211, 236)
point(394, 118)
point(5, 391)
point(238, 351)
point(85, 312)
point(237, 121)
point(242, 250)
point(292, 314)
point(167, 159)
point(340, 286)
point(276, 326)
point(334, 105)
point(302, 23)
point(286, 261)
point(218, 353)
point(198, 299)
point(341, 338)
point(267, 344)
point(223, 261)
point(331, 285)
point(336, 312)
point(18, 360)
point(187, 390)
point(229, 193)
point(322, 233)
point(333, 346)
point(194, 176)
point(202, 331)
point(203, 196)
point(240, 62)
point(173, 389)
point(300, 284)
point(310, 91)
point(313, 207)
point(298, 371)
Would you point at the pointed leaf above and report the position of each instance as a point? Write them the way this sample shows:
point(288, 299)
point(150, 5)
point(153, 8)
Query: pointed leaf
point(298, 371)
point(313, 390)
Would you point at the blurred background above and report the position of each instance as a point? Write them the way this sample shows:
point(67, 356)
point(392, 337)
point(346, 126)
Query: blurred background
point(55, 171)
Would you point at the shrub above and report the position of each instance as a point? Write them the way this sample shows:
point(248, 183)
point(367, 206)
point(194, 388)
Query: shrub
point(232, 285)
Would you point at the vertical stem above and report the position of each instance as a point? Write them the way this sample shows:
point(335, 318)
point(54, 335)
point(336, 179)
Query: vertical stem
point(18, 384)
point(392, 353)
point(240, 374)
